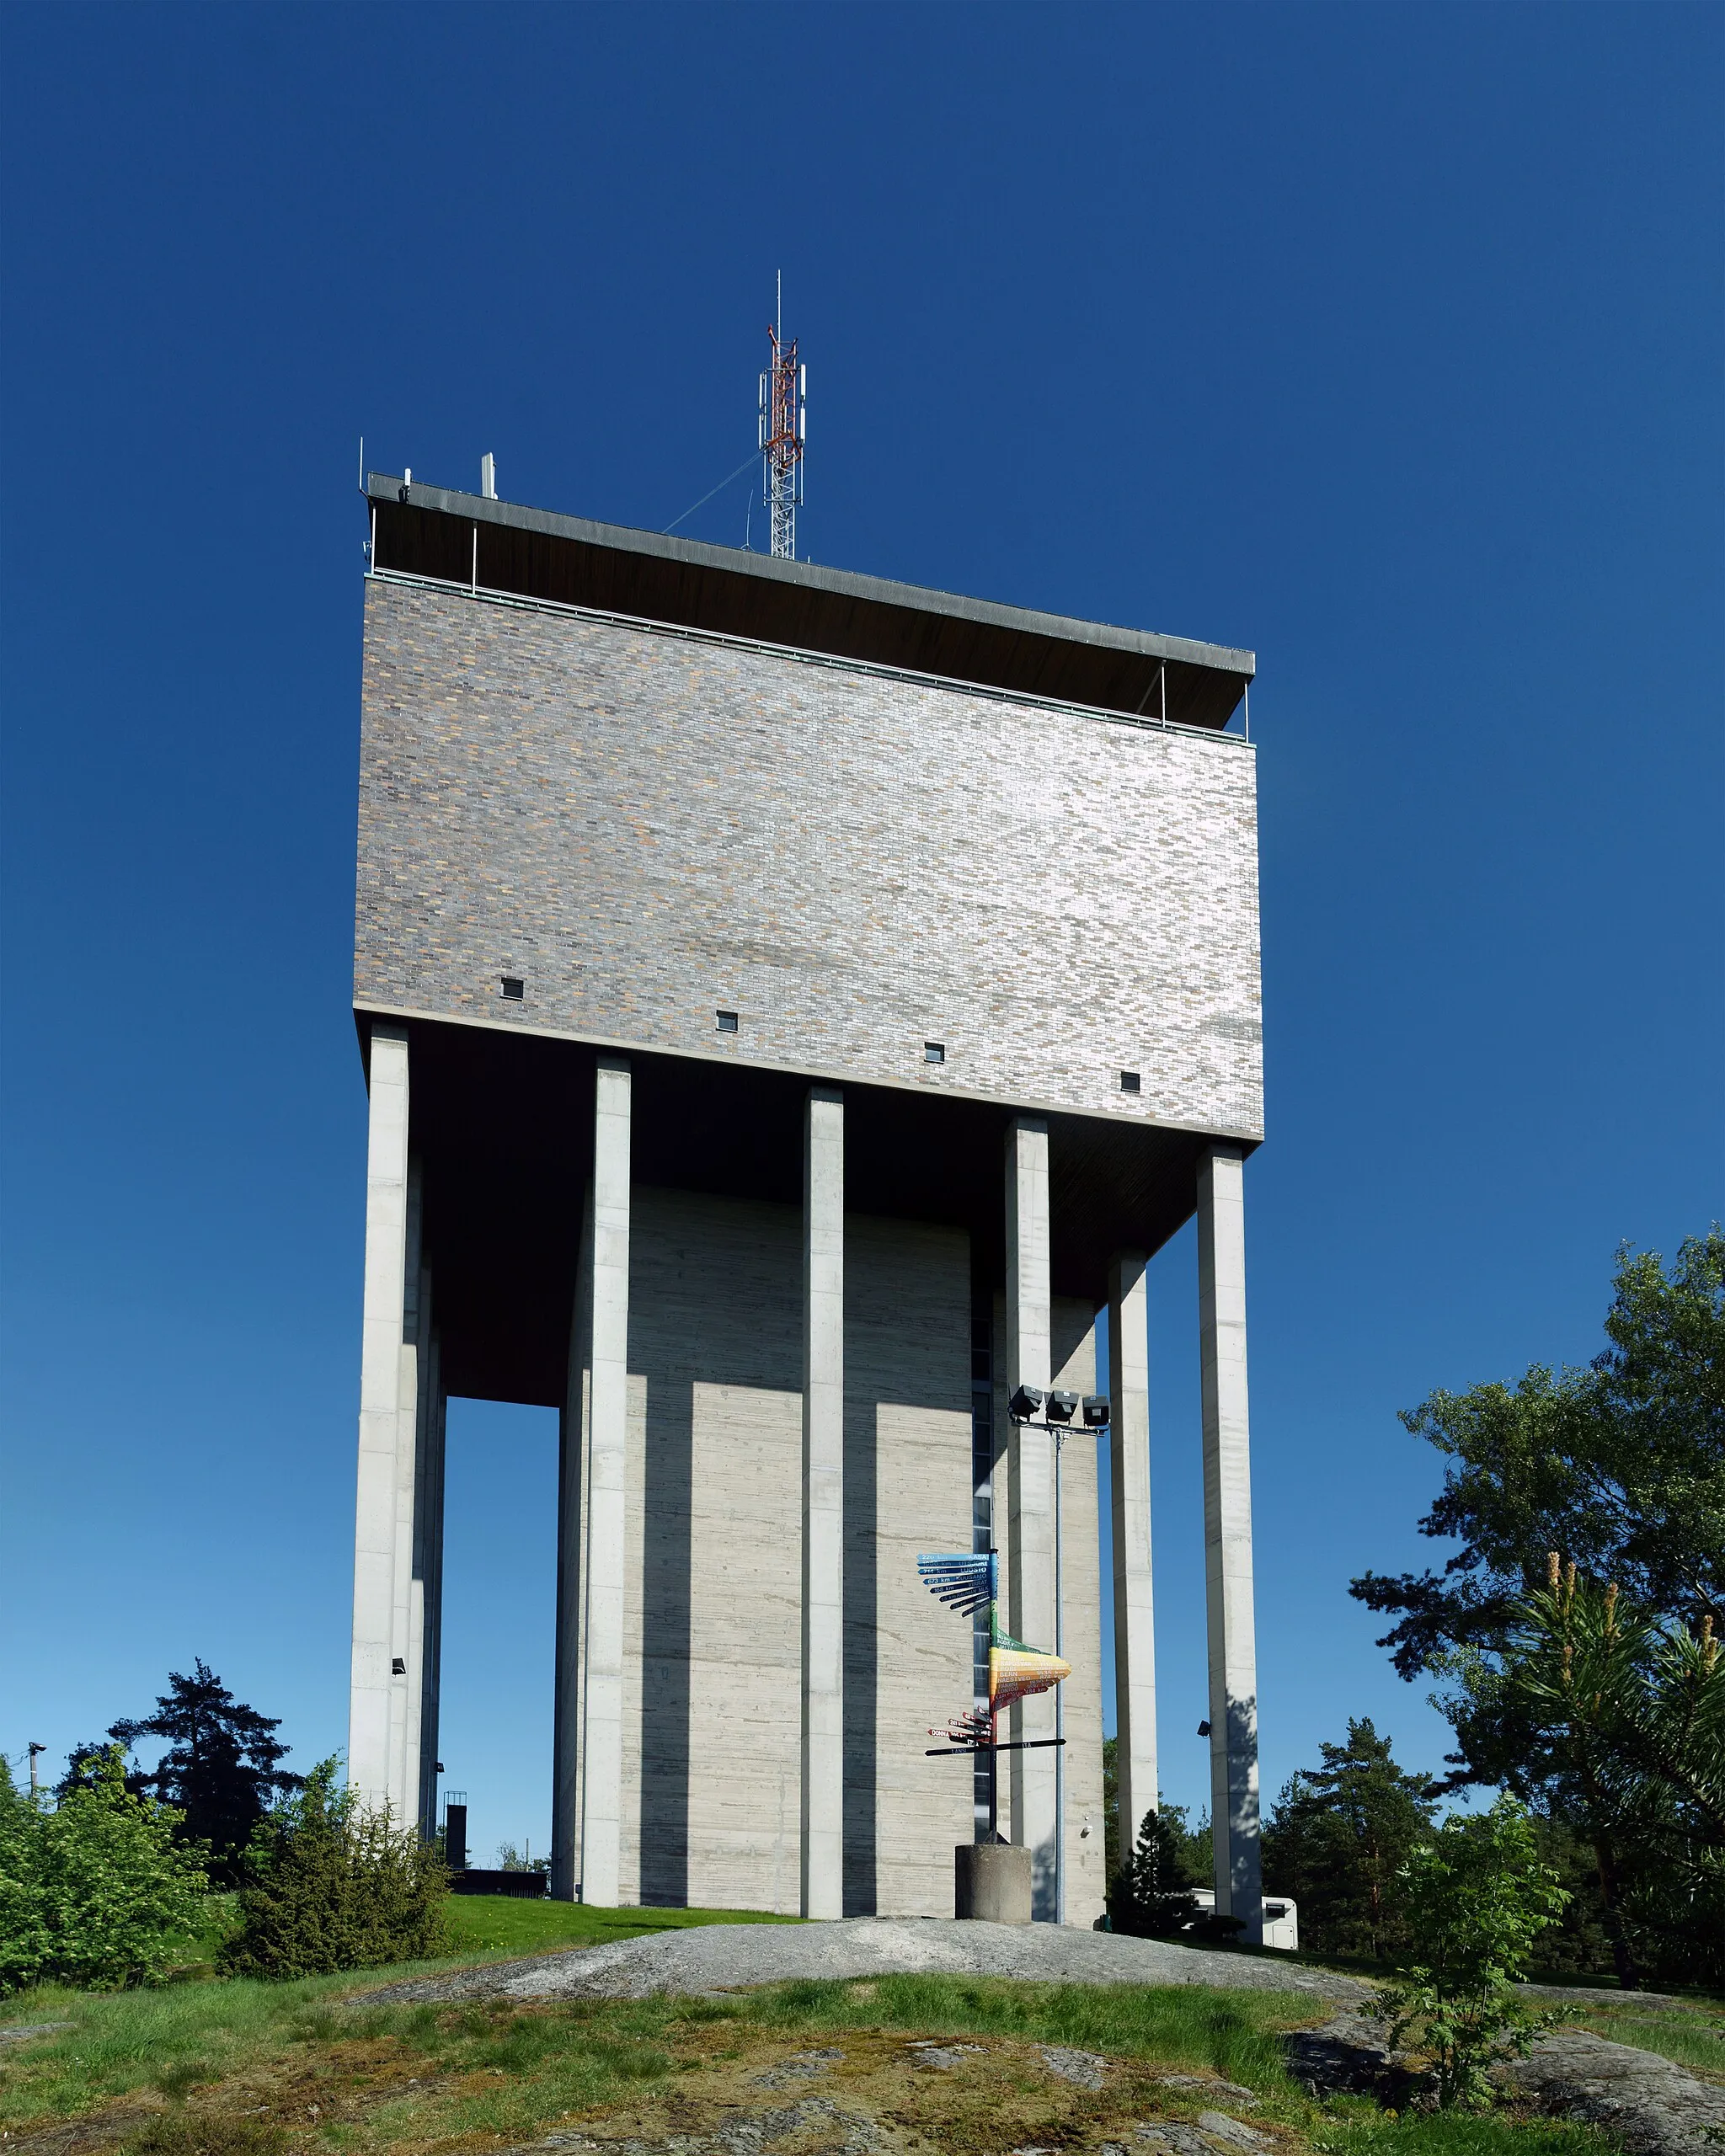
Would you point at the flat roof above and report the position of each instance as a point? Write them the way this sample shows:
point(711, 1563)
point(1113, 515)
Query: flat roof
point(463, 539)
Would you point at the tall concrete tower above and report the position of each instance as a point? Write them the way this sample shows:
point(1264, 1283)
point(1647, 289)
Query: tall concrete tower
point(795, 1006)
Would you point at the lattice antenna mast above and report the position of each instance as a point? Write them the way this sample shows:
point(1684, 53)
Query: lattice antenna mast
point(784, 428)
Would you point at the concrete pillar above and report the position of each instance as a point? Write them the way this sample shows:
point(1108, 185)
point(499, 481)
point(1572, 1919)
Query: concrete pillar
point(1030, 1495)
point(385, 1365)
point(571, 1480)
point(406, 1692)
point(601, 1763)
point(822, 1818)
point(1135, 1616)
point(1227, 1538)
point(428, 1564)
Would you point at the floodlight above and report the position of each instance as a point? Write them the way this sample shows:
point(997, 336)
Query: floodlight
point(1062, 1406)
point(1096, 1411)
point(1024, 1404)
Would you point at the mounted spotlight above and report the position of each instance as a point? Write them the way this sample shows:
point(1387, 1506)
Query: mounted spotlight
point(1024, 1403)
point(1097, 1416)
point(1062, 1406)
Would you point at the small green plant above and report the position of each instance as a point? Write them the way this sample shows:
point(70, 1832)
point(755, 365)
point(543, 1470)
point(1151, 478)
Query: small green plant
point(97, 1891)
point(332, 1886)
point(1151, 1896)
point(1476, 1896)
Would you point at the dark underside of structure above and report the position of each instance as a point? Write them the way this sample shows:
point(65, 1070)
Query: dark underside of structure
point(502, 1125)
point(499, 547)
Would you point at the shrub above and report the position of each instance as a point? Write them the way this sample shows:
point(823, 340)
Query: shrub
point(1477, 1897)
point(332, 1886)
point(94, 1891)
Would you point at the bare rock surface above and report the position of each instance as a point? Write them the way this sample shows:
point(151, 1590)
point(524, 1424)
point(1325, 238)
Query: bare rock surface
point(1646, 2104)
point(717, 1957)
point(1083, 2069)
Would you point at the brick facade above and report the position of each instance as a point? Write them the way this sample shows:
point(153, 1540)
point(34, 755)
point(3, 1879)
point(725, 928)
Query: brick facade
point(647, 828)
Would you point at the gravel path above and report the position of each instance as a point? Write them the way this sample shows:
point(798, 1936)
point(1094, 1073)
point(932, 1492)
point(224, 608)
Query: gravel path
point(722, 1957)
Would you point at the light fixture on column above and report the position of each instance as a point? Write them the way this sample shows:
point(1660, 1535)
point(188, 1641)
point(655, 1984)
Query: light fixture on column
point(1097, 1412)
point(1024, 1403)
point(1062, 1406)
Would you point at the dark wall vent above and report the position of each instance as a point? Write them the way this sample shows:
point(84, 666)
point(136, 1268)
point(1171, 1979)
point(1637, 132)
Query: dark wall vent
point(513, 988)
point(1130, 1082)
point(727, 1021)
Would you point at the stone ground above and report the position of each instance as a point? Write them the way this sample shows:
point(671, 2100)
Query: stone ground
point(722, 1957)
point(882, 2094)
point(1644, 2103)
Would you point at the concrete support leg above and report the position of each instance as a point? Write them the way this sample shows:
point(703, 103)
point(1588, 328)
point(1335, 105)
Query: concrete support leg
point(385, 1362)
point(1227, 1539)
point(823, 1504)
point(607, 1430)
point(1030, 1498)
point(1134, 1615)
point(428, 1564)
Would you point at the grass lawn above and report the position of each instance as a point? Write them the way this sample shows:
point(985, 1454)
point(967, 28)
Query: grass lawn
point(497, 1923)
point(250, 2069)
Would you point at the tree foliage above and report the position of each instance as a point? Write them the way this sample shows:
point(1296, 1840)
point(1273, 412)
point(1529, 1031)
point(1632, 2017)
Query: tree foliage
point(1337, 1839)
point(331, 1885)
point(1151, 1895)
point(1625, 1713)
point(1477, 1897)
point(1620, 1465)
point(220, 1771)
point(95, 1890)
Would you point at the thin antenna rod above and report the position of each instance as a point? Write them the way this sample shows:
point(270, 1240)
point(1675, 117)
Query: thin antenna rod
point(783, 429)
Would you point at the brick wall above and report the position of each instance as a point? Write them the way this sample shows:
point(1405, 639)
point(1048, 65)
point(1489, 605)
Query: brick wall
point(648, 829)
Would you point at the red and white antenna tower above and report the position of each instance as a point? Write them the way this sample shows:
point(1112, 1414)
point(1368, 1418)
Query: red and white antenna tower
point(784, 428)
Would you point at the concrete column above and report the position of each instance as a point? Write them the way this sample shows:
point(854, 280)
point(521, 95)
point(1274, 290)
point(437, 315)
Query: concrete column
point(1227, 1538)
point(405, 1698)
point(571, 1480)
point(1134, 1615)
point(1030, 1493)
point(430, 1564)
point(384, 1363)
point(606, 1452)
point(823, 1822)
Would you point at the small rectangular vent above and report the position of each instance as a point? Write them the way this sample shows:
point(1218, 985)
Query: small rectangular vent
point(513, 988)
point(1130, 1082)
point(934, 1052)
point(727, 1021)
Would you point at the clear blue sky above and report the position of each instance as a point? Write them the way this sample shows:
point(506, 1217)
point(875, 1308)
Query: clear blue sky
point(1386, 341)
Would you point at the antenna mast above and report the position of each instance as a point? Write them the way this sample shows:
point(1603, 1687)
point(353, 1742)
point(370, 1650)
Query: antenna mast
point(784, 428)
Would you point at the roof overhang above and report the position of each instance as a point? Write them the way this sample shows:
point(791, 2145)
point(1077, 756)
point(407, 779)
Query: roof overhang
point(469, 540)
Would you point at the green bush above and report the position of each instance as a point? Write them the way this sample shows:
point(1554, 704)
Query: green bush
point(331, 1885)
point(96, 1891)
point(1477, 1897)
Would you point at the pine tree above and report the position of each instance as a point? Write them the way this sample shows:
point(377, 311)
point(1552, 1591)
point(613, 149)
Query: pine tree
point(1337, 1839)
point(220, 1770)
point(1152, 1896)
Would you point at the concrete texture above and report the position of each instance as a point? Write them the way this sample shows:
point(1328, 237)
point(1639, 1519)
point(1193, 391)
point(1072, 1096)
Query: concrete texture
point(387, 1408)
point(718, 1956)
point(1135, 1609)
point(1227, 1538)
point(823, 1758)
point(713, 1634)
point(646, 830)
point(1079, 1763)
point(602, 1760)
point(991, 1882)
point(1030, 1494)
